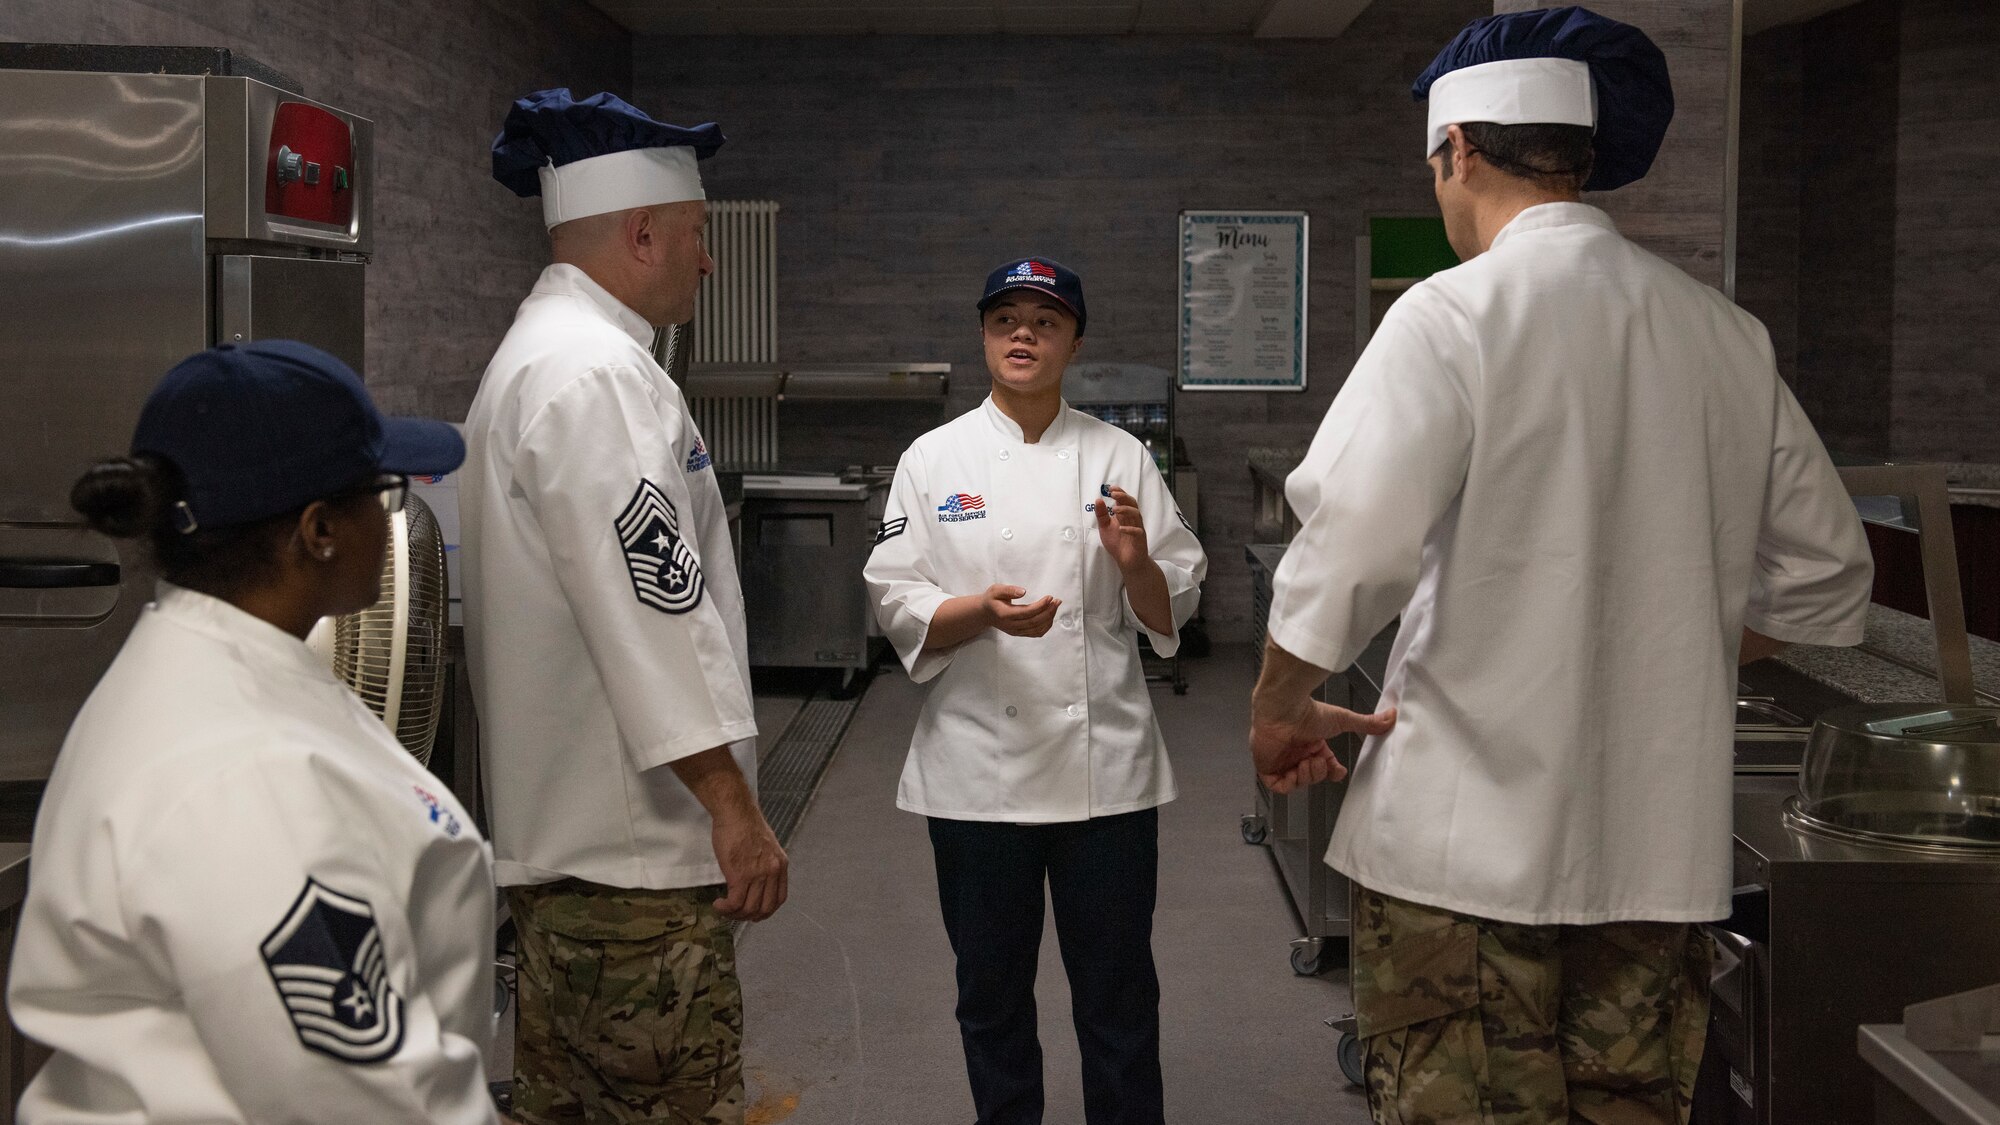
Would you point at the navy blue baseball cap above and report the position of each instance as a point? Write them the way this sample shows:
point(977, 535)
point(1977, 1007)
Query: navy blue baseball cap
point(261, 429)
point(1053, 278)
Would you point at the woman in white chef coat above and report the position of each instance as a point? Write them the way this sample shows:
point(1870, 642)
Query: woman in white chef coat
point(1024, 547)
point(248, 903)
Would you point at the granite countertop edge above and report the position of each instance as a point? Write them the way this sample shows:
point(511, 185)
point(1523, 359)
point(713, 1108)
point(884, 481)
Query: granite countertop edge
point(1871, 679)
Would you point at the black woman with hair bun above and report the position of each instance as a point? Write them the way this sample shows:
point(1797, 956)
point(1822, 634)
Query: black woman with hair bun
point(248, 902)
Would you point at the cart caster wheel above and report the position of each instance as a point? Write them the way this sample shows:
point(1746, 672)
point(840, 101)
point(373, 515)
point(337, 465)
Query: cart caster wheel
point(1312, 956)
point(1254, 829)
point(1353, 1060)
point(849, 685)
point(1308, 957)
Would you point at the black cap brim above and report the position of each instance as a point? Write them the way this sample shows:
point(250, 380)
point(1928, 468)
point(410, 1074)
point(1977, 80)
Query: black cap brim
point(986, 302)
point(420, 447)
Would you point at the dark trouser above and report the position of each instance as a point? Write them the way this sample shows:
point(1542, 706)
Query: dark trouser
point(1102, 876)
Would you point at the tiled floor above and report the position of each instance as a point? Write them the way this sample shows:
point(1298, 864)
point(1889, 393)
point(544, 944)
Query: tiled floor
point(849, 988)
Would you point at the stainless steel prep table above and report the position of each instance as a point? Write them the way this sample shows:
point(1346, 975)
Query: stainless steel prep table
point(805, 538)
point(1914, 1086)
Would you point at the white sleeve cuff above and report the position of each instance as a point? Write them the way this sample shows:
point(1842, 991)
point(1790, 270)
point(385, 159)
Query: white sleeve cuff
point(908, 631)
point(1844, 635)
point(1318, 651)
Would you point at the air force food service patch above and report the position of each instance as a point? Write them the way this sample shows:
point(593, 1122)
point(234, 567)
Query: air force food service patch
point(326, 959)
point(665, 573)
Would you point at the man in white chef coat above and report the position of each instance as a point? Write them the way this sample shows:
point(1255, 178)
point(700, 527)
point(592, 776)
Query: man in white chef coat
point(604, 624)
point(1574, 472)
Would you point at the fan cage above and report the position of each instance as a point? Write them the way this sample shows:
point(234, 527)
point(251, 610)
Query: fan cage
point(365, 649)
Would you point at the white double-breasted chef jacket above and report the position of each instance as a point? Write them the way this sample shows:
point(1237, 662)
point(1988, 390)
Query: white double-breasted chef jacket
point(603, 616)
point(247, 902)
point(1575, 473)
point(1029, 729)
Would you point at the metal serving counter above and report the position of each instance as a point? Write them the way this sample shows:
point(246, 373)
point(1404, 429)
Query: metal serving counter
point(20, 1057)
point(1829, 934)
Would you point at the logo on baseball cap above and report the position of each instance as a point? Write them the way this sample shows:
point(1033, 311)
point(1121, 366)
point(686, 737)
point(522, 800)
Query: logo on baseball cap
point(1050, 277)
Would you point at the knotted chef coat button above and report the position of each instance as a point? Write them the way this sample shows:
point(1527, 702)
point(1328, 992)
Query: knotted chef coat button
point(1062, 454)
point(1006, 533)
point(1011, 712)
point(1004, 455)
point(1073, 710)
point(1069, 533)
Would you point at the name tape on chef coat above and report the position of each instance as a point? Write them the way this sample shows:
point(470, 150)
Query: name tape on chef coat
point(327, 961)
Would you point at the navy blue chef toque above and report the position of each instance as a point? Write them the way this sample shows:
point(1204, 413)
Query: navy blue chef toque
point(1521, 68)
point(595, 155)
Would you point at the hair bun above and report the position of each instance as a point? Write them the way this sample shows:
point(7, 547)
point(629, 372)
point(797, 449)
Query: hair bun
point(123, 497)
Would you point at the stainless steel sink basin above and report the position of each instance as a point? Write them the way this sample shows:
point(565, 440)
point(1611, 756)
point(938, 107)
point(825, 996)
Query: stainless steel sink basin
point(1755, 712)
point(1769, 738)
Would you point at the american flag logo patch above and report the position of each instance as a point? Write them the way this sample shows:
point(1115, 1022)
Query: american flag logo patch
point(1034, 269)
point(327, 960)
point(961, 506)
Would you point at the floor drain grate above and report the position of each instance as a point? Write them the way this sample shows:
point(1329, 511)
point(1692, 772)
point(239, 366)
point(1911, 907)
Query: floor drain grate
point(791, 771)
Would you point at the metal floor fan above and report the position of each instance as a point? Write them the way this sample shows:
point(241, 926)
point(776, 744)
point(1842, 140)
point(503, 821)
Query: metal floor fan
point(393, 653)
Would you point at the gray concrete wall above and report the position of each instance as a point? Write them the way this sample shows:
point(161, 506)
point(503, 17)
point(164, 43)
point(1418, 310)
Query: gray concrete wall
point(1847, 231)
point(454, 251)
point(907, 168)
point(1768, 189)
point(1864, 129)
point(1947, 275)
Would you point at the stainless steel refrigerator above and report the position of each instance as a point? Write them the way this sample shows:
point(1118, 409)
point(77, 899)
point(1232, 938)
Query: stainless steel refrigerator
point(143, 217)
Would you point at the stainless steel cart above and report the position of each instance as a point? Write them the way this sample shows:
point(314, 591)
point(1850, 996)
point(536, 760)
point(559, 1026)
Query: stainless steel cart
point(1299, 826)
point(1139, 400)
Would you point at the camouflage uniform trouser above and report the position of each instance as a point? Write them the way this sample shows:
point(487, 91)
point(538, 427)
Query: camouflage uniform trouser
point(1468, 1020)
point(630, 1010)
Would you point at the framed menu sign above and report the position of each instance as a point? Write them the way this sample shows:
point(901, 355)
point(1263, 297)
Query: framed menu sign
point(1243, 301)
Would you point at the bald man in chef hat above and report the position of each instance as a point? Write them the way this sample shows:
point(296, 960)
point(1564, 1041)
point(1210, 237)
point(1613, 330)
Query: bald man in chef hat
point(604, 623)
point(1573, 473)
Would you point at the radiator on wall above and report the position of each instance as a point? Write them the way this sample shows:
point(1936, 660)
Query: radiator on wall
point(736, 321)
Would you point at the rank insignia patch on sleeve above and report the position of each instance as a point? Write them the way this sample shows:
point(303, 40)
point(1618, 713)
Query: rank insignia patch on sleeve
point(665, 573)
point(327, 960)
point(891, 529)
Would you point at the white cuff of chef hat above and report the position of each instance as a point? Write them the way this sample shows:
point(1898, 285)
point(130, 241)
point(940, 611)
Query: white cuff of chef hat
point(1513, 92)
point(619, 181)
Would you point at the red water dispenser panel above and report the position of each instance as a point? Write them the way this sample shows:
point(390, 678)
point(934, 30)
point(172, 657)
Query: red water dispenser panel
point(311, 172)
